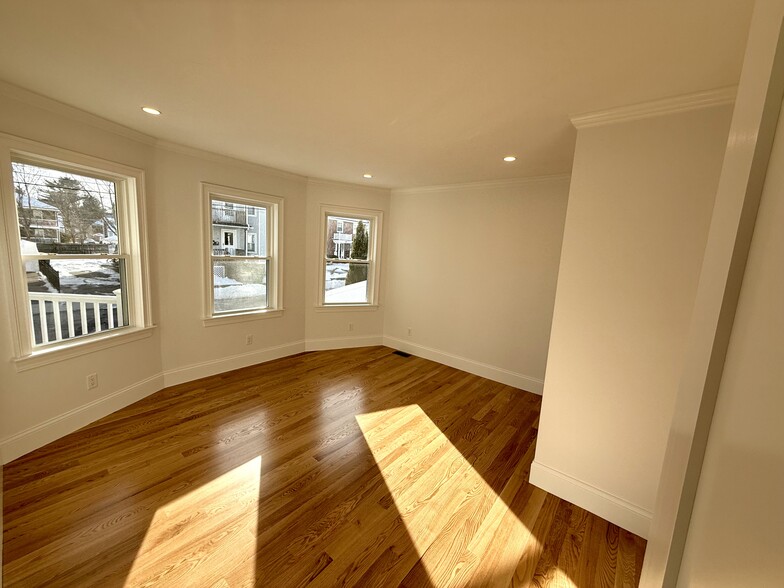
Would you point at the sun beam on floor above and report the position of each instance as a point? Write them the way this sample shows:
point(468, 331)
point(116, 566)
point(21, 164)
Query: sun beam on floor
point(465, 532)
point(195, 535)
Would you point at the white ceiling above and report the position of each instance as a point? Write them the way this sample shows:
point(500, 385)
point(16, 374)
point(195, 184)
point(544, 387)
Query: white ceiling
point(416, 92)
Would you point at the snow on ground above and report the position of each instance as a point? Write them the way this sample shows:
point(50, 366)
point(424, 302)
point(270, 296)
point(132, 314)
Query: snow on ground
point(336, 275)
point(229, 289)
point(356, 292)
point(78, 276)
point(240, 291)
point(224, 281)
point(39, 283)
point(87, 276)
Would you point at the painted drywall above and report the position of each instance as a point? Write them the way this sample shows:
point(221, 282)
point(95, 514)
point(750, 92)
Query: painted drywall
point(329, 328)
point(185, 341)
point(44, 403)
point(471, 271)
point(34, 401)
point(735, 534)
point(640, 203)
point(758, 102)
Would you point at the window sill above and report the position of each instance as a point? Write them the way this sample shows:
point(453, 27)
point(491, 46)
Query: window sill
point(346, 307)
point(216, 321)
point(65, 351)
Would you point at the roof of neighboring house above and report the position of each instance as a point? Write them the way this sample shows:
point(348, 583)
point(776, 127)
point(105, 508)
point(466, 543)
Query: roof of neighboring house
point(30, 202)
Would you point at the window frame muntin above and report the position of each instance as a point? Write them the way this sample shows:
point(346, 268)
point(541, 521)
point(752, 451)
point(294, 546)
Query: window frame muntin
point(274, 253)
point(130, 194)
point(375, 217)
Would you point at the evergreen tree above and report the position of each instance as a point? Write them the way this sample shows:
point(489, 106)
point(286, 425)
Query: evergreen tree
point(358, 272)
point(90, 213)
point(65, 194)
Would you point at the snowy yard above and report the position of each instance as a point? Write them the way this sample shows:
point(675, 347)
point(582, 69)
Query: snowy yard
point(336, 275)
point(78, 276)
point(230, 294)
point(356, 293)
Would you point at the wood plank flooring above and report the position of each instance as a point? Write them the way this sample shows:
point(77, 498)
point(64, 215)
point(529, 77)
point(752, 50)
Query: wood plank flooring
point(335, 468)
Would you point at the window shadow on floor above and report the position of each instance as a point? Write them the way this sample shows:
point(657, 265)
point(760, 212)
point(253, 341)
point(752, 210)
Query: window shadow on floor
point(354, 467)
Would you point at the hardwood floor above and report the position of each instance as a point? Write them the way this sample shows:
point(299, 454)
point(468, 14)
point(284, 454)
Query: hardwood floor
point(355, 467)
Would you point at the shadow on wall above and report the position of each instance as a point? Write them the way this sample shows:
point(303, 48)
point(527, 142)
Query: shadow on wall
point(712, 560)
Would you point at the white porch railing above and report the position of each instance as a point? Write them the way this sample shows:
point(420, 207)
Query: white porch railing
point(59, 314)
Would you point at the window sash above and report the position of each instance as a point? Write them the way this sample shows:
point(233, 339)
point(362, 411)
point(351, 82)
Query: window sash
point(338, 260)
point(77, 309)
point(239, 257)
point(34, 256)
point(250, 309)
point(349, 215)
point(271, 242)
point(131, 251)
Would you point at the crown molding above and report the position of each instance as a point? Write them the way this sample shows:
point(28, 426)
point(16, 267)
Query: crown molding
point(49, 104)
point(483, 184)
point(82, 116)
point(347, 185)
point(225, 159)
point(672, 105)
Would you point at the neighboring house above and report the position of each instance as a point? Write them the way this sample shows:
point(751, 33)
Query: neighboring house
point(237, 229)
point(39, 222)
point(342, 235)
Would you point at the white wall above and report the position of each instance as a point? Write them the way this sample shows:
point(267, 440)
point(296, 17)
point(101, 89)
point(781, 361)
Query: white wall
point(188, 347)
point(38, 405)
point(329, 328)
point(735, 536)
point(44, 403)
point(472, 270)
point(502, 335)
point(640, 202)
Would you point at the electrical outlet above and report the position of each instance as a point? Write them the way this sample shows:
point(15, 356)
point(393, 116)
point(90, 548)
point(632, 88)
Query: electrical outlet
point(248, 339)
point(410, 331)
point(92, 381)
point(351, 326)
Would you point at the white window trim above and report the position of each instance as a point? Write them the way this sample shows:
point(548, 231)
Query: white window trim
point(376, 218)
point(130, 199)
point(274, 204)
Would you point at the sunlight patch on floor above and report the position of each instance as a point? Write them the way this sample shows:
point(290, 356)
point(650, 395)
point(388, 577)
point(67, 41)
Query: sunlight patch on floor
point(214, 514)
point(562, 580)
point(456, 521)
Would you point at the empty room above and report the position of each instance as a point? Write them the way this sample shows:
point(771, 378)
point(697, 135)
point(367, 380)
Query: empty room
point(422, 293)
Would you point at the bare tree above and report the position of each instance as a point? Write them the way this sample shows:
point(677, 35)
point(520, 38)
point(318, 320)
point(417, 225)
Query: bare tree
point(105, 192)
point(27, 179)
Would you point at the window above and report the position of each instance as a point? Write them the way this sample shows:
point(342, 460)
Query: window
point(78, 262)
point(349, 257)
point(243, 255)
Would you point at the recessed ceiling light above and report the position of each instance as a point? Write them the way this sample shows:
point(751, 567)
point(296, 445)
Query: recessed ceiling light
point(151, 110)
point(367, 176)
point(510, 158)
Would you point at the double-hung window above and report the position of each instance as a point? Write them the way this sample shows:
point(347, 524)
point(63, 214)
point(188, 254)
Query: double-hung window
point(242, 231)
point(76, 246)
point(349, 257)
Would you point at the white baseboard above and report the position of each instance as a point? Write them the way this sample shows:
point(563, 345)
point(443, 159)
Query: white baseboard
point(485, 370)
point(203, 369)
point(61, 425)
point(342, 343)
point(616, 510)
